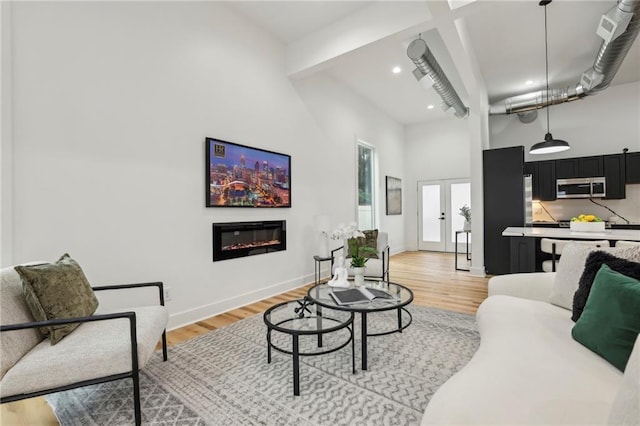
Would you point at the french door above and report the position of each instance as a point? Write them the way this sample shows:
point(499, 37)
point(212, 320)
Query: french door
point(439, 204)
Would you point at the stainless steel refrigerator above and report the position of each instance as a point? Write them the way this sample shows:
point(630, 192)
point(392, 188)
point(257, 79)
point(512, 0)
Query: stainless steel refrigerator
point(528, 200)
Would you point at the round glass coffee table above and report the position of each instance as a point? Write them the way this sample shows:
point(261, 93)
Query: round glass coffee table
point(300, 318)
point(402, 296)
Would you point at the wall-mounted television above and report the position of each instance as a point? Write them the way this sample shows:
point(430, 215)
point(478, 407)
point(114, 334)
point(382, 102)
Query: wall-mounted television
point(242, 176)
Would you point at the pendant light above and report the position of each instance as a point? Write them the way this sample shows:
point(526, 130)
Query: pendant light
point(549, 144)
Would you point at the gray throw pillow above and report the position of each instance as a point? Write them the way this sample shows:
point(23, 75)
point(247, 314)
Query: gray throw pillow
point(571, 266)
point(56, 291)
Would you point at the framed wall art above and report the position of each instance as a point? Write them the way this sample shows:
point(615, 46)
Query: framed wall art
point(394, 195)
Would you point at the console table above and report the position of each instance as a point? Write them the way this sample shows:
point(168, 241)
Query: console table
point(467, 235)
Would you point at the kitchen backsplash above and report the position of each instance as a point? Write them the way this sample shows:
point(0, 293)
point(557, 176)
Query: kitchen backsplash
point(629, 208)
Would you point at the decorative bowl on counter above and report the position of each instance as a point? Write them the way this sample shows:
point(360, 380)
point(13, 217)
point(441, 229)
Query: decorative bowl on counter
point(586, 226)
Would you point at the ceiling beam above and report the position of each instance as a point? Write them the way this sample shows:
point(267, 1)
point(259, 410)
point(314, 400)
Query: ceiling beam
point(370, 24)
point(451, 26)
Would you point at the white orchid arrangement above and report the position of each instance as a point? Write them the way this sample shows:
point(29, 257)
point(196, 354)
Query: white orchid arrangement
point(351, 232)
point(343, 232)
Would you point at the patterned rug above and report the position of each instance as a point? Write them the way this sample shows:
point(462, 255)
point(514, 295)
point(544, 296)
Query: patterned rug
point(222, 378)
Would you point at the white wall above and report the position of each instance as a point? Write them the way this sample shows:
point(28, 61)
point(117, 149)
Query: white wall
point(112, 102)
point(433, 151)
point(344, 118)
point(6, 136)
point(600, 124)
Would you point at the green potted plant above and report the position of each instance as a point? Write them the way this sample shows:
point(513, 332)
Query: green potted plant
point(465, 211)
point(351, 236)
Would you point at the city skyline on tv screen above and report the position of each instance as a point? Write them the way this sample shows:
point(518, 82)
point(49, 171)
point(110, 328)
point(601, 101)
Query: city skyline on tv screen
point(242, 176)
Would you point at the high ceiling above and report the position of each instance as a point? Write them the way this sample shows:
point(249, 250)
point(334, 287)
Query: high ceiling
point(495, 46)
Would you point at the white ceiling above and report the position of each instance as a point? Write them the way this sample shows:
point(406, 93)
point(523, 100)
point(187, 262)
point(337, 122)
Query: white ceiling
point(506, 46)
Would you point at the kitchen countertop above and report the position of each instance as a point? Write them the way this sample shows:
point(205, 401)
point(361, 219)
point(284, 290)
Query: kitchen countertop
point(541, 232)
point(565, 224)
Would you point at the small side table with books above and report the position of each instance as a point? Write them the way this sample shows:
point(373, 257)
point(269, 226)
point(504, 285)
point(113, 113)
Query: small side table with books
point(386, 296)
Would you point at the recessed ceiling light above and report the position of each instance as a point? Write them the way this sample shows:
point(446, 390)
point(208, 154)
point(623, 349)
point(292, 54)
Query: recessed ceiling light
point(396, 70)
point(429, 106)
point(528, 82)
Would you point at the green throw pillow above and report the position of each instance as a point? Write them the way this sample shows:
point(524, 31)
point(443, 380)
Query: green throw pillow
point(370, 239)
point(56, 291)
point(610, 322)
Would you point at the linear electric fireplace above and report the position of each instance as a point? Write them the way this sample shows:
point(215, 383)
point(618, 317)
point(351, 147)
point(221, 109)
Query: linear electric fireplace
point(240, 239)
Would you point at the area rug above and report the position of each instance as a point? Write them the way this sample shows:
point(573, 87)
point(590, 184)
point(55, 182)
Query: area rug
point(223, 378)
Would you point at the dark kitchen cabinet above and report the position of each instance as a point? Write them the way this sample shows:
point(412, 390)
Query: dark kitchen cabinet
point(568, 168)
point(530, 168)
point(614, 172)
point(633, 167)
point(503, 204)
point(544, 179)
point(523, 254)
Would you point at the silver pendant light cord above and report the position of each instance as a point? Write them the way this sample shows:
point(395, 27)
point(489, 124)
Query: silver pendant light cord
point(546, 61)
point(549, 144)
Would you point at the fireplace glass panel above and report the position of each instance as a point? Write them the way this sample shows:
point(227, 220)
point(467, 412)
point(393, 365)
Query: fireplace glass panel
point(240, 239)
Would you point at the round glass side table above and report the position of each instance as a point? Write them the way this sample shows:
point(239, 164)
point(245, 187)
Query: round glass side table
point(303, 317)
point(401, 297)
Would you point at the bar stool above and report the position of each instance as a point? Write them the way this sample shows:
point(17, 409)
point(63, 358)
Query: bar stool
point(555, 247)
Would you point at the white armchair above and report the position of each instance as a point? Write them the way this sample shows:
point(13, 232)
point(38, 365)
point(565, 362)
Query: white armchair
point(374, 268)
point(106, 346)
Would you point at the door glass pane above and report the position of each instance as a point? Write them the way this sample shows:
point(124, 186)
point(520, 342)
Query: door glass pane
point(366, 219)
point(431, 213)
point(460, 195)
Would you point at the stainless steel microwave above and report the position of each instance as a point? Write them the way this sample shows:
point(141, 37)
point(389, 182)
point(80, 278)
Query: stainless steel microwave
point(581, 188)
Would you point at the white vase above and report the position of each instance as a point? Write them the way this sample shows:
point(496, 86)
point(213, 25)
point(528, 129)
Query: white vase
point(466, 226)
point(358, 276)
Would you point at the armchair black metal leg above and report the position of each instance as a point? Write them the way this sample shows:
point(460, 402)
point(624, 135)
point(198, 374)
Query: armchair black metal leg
point(136, 397)
point(164, 345)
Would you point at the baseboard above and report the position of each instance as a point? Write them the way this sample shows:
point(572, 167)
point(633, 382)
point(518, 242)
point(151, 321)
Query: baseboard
point(397, 250)
point(184, 318)
point(477, 271)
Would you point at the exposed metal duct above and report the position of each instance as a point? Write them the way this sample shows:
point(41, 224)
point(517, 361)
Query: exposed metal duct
point(616, 44)
point(537, 100)
point(528, 116)
point(427, 66)
point(617, 41)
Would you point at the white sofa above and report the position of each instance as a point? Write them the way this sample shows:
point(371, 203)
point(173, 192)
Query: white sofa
point(529, 370)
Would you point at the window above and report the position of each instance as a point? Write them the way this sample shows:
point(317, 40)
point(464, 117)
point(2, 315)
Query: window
point(366, 187)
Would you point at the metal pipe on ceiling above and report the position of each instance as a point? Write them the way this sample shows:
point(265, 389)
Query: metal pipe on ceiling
point(427, 66)
point(619, 28)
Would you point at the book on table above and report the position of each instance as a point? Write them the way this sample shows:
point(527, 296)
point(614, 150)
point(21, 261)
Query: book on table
point(358, 295)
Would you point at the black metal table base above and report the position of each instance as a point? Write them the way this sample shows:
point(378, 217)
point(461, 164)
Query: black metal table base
point(364, 333)
point(295, 339)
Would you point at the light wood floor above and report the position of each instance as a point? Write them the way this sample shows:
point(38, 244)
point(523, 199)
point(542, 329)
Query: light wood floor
point(431, 277)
